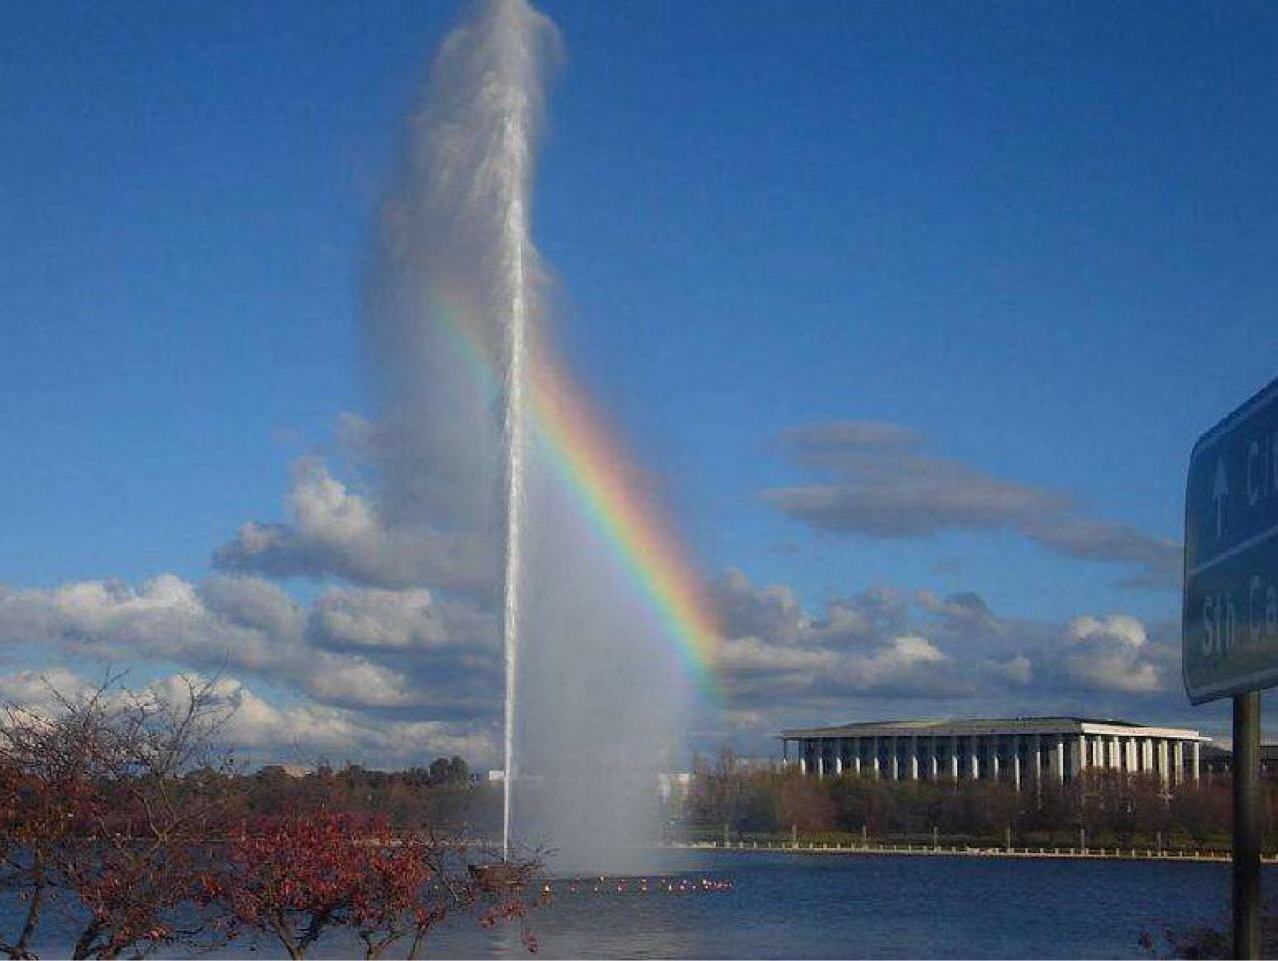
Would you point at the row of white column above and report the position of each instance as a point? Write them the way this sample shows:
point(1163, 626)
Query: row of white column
point(959, 756)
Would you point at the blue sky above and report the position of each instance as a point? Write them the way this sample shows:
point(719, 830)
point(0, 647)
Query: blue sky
point(1039, 237)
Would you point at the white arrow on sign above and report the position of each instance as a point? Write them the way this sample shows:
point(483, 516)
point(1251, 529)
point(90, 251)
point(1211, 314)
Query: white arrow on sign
point(1219, 492)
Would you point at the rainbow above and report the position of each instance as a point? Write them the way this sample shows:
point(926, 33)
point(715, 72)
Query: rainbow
point(595, 466)
point(597, 469)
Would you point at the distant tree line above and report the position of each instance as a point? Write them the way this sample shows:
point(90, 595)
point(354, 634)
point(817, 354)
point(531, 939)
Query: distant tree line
point(441, 795)
point(1110, 807)
point(126, 829)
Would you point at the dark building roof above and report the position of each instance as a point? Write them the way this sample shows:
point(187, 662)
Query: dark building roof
point(1058, 724)
point(1268, 752)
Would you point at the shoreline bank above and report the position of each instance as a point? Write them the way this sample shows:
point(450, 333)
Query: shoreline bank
point(974, 851)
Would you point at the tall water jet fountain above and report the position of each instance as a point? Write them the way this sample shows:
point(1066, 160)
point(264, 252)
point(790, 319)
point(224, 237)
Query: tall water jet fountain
point(512, 160)
point(490, 444)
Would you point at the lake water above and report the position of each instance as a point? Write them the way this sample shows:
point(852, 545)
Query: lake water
point(832, 906)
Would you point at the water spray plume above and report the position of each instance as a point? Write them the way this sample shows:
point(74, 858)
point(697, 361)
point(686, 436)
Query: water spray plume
point(593, 585)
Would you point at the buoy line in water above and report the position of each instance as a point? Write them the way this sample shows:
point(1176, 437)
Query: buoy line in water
point(666, 884)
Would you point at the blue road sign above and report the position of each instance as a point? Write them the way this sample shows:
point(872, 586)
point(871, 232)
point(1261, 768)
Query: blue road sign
point(1229, 627)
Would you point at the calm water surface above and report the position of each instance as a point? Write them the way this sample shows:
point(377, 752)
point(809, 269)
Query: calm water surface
point(830, 906)
point(819, 906)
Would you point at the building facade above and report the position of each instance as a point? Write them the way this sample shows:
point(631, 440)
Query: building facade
point(1219, 761)
point(1023, 751)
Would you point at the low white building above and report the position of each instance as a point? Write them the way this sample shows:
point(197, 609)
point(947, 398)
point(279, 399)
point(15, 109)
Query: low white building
point(674, 787)
point(1022, 750)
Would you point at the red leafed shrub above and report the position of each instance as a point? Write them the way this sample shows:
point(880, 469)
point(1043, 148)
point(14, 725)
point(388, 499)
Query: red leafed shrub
point(97, 818)
point(293, 878)
point(42, 814)
point(403, 890)
point(289, 877)
point(120, 811)
point(133, 890)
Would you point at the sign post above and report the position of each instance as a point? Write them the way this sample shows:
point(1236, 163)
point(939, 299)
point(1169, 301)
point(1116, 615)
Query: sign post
point(1229, 623)
point(1246, 825)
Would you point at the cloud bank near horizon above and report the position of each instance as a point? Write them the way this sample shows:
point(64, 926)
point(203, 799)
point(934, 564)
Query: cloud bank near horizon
point(386, 674)
point(391, 676)
point(888, 652)
point(395, 658)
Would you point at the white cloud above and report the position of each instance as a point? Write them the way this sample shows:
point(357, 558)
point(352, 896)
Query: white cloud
point(245, 624)
point(895, 661)
point(253, 603)
point(1111, 653)
point(163, 617)
point(302, 731)
point(333, 531)
point(1018, 669)
point(378, 618)
point(745, 610)
point(880, 652)
point(39, 691)
point(356, 680)
point(752, 654)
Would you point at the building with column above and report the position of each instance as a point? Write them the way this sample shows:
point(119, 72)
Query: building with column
point(1219, 761)
point(1022, 751)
